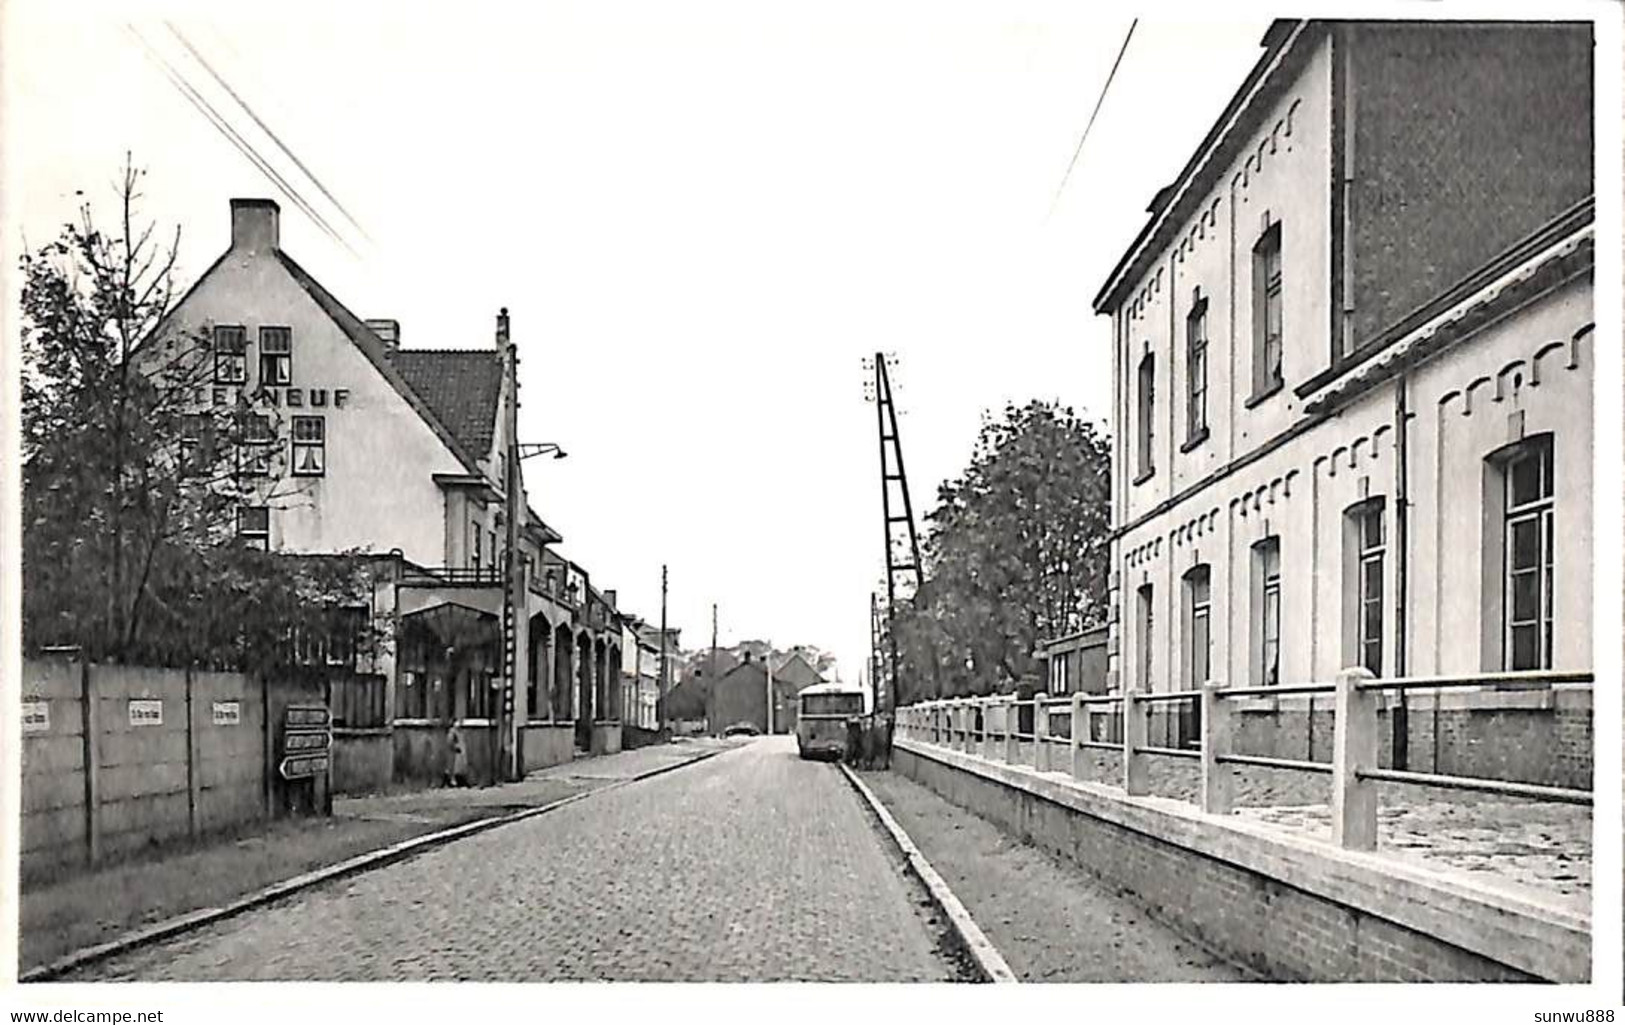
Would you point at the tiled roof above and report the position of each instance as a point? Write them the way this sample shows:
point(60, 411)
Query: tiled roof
point(461, 386)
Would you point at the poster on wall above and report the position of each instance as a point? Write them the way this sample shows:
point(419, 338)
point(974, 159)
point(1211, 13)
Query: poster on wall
point(36, 716)
point(146, 712)
point(228, 713)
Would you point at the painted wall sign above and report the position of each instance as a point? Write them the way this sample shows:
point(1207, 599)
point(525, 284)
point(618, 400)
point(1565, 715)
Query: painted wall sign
point(146, 712)
point(228, 713)
point(294, 398)
point(36, 716)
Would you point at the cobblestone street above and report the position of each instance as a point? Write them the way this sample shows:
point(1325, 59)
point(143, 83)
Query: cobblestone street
point(750, 866)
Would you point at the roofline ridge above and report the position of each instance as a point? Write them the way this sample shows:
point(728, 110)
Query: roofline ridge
point(372, 347)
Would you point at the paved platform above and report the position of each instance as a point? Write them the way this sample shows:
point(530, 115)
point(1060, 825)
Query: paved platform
point(85, 909)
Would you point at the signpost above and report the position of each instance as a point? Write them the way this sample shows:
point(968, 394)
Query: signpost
point(307, 740)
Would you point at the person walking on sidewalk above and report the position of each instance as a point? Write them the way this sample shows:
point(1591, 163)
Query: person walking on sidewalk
point(457, 776)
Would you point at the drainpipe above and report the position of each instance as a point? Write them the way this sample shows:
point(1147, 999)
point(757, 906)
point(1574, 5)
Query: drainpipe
point(1401, 723)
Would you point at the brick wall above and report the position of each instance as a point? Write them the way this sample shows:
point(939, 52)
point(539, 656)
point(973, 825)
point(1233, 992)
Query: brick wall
point(1284, 925)
point(1431, 102)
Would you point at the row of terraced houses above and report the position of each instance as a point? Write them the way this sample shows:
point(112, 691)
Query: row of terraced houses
point(403, 453)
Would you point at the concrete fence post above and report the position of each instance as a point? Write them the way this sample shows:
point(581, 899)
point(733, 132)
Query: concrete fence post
point(193, 776)
point(1040, 734)
point(1218, 780)
point(984, 734)
point(1136, 769)
point(90, 720)
point(1012, 719)
point(1354, 748)
point(1079, 730)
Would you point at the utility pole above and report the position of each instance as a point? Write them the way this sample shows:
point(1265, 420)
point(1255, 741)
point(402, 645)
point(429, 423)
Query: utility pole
point(767, 658)
point(515, 622)
point(661, 717)
point(874, 648)
point(903, 567)
point(711, 670)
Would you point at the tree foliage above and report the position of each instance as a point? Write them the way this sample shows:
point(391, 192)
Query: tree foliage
point(134, 475)
point(1016, 551)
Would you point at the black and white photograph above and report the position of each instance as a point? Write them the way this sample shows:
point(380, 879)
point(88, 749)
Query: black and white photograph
point(810, 493)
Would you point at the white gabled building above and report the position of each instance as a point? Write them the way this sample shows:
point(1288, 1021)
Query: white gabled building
point(402, 453)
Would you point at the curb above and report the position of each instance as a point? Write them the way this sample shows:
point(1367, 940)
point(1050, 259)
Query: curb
point(989, 962)
point(171, 927)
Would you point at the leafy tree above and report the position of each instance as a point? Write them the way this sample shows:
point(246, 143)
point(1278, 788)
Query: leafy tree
point(1016, 551)
point(135, 475)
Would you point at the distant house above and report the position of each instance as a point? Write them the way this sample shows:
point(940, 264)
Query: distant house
point(797, 671)
point(740, 696)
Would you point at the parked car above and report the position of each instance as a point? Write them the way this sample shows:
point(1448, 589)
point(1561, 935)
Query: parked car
point(742, 729)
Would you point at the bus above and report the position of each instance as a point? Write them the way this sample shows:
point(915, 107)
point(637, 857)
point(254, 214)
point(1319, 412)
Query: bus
point(821, 714)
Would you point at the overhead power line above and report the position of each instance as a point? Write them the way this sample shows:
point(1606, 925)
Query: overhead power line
point(1093, 114)
point(246, 148)
point(266, 128)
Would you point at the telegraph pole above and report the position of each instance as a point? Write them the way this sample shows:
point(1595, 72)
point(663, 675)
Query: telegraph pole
point(663, 670)
point(903, 567)
point(515, 623)
point(711, 670)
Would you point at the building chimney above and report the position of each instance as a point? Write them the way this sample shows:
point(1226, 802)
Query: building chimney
point(502, 330)
point(254, 225)
point(747, 656)
point(388, 332)
point(609, 598)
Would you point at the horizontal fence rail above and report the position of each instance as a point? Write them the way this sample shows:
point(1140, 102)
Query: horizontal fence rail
point(999, 727)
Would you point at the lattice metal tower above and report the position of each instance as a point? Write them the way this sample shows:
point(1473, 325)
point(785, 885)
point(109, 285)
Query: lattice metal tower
point(902, 542)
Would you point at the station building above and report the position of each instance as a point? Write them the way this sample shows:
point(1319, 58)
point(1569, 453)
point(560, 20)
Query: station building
point(1353, 362)
point(403, 454)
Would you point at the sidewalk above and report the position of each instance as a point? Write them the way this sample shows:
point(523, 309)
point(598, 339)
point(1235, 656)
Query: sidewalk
point(65, 915)
point(1050, 920)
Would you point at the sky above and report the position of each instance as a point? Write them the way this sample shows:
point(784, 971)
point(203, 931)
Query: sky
point(701, 220)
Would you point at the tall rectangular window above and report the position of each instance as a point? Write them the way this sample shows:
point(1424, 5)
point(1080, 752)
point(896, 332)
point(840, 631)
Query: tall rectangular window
point(1369, 537)
point(1147, 416)
point(1527, 555)
point(309, 446)
point(256, 445)
point(254, 526)
point(1147, 634)
point(230, 354)
point(276, 357)
point(475, 562)
point(1268, 328)
point(1199, 627)
point(197, 444)
point(1267, 568)
point(1196, 373)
